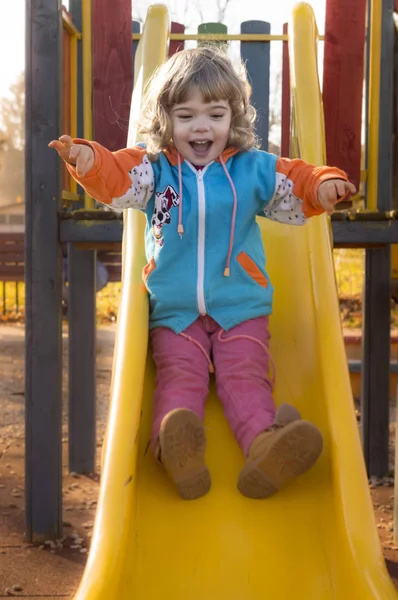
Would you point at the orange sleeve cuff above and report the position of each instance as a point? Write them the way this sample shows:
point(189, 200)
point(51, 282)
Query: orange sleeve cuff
point(306, 180)
point(109, 176)
point(325, 174)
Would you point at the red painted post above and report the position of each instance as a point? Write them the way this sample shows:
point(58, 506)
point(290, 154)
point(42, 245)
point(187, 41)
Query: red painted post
point(343, 84)
point(285, 125)
point(112, 71)
point(175, 45)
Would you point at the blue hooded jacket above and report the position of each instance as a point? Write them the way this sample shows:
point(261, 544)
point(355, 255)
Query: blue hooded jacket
point(203, 244)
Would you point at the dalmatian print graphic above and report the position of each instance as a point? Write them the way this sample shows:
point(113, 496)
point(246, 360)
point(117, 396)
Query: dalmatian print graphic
point(164, 201)
point(284, 206)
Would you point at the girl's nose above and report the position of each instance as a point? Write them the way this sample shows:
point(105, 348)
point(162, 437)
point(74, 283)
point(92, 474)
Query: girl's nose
point(201, 127)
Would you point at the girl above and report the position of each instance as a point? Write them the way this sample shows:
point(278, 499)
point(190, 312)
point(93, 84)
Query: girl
point(201, 182)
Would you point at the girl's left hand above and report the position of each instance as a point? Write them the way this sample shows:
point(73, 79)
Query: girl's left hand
point(332, 191)
point(80, 156)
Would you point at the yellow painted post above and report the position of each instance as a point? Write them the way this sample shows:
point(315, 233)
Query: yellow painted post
point(374, 103)
point(394, 261)
point(87, 81)
point(73, 96)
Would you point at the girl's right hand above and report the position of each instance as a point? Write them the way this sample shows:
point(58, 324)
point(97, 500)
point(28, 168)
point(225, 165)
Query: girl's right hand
point(80, 156)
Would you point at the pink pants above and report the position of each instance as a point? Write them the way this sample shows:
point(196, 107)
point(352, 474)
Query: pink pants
point(241, 370)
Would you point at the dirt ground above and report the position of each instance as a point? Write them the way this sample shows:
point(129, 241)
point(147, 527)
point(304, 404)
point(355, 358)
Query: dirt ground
point(54, 569)
point(51, 570)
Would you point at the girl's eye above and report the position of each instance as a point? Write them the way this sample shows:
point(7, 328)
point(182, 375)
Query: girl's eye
point(216, 116)
point(185, 117)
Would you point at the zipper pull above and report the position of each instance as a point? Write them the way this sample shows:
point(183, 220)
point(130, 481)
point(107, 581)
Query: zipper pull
point(200, 174)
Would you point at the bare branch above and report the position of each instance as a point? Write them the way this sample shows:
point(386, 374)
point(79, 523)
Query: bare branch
point(140, 10)
point(199, 9)
point(222, 6)
point(181, 10)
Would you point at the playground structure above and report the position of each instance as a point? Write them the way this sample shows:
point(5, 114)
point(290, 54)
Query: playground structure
point(196, 547)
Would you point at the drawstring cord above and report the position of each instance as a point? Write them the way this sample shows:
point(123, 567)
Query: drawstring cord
point(230, 339)
point(199, 345)
point(253, 339)
point(232, 232)
point(180, 228)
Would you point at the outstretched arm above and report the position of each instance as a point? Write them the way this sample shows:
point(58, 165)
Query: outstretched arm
point(303, 191)
point(121, 179)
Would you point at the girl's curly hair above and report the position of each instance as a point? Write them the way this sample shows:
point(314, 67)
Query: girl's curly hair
point(211, 71)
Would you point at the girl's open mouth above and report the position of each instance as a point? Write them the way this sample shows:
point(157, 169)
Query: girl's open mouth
point(201, 148)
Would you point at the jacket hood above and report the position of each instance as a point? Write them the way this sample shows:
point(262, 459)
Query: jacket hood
point(172, 155)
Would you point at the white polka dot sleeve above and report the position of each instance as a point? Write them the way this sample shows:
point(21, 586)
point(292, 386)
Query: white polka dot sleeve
point(284, 206)
point(295, 197)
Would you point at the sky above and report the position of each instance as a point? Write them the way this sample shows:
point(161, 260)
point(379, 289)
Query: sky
point(12, 42)
point(12, 16)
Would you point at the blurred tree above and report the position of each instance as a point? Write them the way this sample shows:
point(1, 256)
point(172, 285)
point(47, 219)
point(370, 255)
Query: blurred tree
point(182, 11)
point(12, 143)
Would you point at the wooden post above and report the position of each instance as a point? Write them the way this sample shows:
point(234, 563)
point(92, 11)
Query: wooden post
point(212, 28)
point(285, 112)
point(43, 381)
point(135, 28)
point(256, 55)
point(66, 82)
point(375, 396)
point(395, 126)
point(377, 309)
point(81, 312)
point(112, 71)
point(385, 159)
point(82, 388)
point(75, 8)
point(175, 45)
point(343, 84)
point(394, 249)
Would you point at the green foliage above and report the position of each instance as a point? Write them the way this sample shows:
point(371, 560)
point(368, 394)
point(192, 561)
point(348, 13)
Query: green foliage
point(349, 265)
point(14, 296)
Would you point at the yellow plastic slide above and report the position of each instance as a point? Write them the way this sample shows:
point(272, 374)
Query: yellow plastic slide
point(315, 540)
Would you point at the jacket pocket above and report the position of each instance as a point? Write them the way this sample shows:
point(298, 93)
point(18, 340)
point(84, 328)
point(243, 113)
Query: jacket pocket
point(148, 269)
point(252, 269)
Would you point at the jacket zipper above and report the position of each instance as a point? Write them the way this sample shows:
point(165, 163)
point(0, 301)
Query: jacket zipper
point(201, 245)
point(201, 238)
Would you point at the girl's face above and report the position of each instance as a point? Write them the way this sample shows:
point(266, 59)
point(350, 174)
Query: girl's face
point(201, 130)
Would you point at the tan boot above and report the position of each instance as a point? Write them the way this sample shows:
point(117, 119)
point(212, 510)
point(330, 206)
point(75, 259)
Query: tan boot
point(284, 451)
point(182, 452)
point(285, 414)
